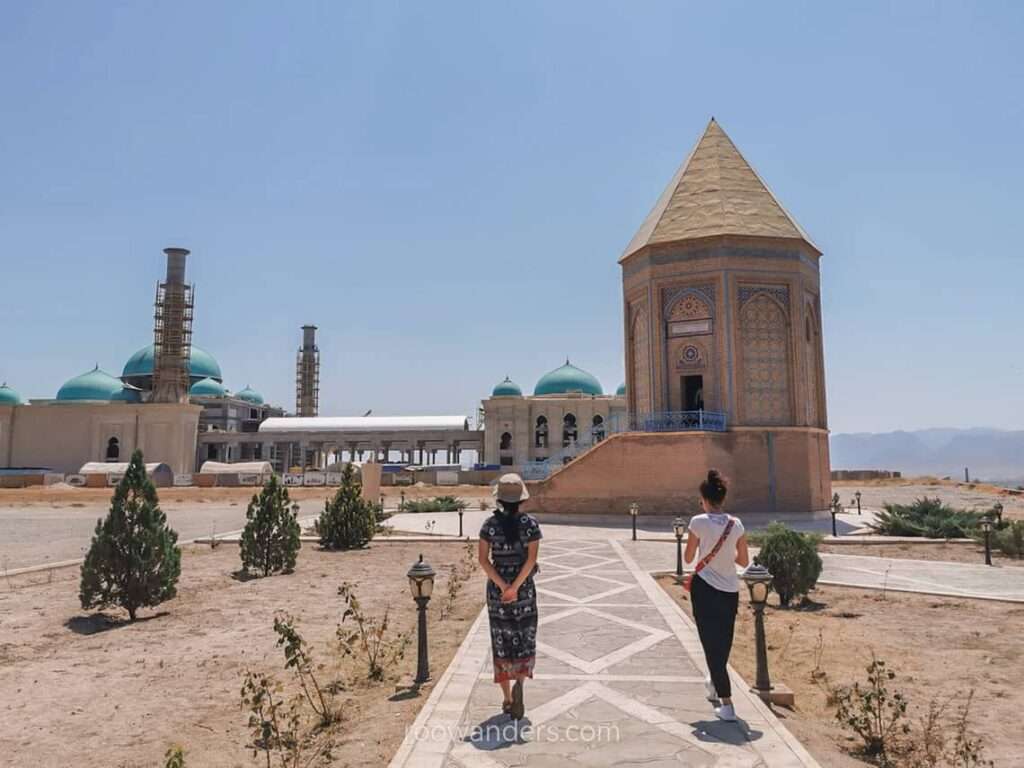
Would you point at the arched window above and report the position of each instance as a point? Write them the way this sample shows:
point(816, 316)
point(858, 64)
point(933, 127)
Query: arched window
point(597, 429)
point(506, 441)
point(569, 431)
point(541, 434)
point(113, 449)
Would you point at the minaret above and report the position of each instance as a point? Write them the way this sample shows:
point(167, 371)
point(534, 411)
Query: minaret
point(307, 374)
point(172, 332)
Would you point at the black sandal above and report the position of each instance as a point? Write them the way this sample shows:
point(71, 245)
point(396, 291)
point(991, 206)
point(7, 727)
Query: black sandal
point(518, 706)
point(506, 707)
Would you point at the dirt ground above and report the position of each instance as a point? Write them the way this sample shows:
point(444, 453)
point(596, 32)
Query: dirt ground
point(939, 648)
point(874, 493)
point(946, 553)
point(77, 689)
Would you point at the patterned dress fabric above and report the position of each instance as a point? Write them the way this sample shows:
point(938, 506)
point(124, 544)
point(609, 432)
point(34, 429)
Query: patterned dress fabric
point(513, 625)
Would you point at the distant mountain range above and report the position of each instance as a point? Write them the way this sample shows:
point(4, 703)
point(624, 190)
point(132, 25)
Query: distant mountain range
point(990, 454)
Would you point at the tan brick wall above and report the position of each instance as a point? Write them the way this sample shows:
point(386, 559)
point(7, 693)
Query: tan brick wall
point(771, 471)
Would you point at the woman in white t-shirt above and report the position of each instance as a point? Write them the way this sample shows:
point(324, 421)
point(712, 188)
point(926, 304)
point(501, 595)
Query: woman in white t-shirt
point(719, 542)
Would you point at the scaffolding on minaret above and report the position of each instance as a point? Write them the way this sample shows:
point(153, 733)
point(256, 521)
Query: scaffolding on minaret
point(307, 374)
point(172, 332)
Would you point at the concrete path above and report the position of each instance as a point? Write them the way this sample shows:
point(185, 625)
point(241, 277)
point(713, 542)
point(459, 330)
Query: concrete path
point(896, 574)
point(656, 552)
point(618, 682)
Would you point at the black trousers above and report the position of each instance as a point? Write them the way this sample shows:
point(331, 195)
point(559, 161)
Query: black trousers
point(715, 614)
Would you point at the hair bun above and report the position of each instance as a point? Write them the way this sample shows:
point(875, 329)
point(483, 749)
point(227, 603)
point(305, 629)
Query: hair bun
point(714, 488)
point(714, 477)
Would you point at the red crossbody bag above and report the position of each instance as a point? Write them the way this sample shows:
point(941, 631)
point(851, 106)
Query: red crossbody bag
point(688, 578)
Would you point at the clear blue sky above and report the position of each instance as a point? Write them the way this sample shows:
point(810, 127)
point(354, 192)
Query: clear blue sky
point(444, 188)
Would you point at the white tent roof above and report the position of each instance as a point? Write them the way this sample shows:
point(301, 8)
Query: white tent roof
point(118, 468)
point(365, 424)
point(220, 468)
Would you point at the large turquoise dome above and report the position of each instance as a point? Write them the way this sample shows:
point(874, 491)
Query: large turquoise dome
point(92, 385)
point(568, 379)
point(9, 396)
point(250, 395)
point(207, 388)
point(507, 388)
point(201, 365)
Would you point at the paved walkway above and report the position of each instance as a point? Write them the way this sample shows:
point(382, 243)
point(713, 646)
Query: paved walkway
point(618, 682)
point(656, 552)
point(897, 574)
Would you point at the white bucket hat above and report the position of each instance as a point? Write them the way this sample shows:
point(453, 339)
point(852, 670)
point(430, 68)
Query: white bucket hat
point(510, 488)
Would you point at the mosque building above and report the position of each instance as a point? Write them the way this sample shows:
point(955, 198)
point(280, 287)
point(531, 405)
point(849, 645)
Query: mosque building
point(567, 413)
point(98, 417)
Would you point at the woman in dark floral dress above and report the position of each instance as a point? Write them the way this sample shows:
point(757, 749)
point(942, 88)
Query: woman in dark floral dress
point(509, 541)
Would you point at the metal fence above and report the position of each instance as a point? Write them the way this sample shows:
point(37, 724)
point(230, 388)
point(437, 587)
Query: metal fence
point(674, 421)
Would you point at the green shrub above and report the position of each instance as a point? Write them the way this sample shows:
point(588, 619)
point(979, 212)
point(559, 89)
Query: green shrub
point(348, 520)
point(1010, 539)
point(926, 517)
point(874, 712)
point(270, 541)
point(793, 560)
point(133, 561)
point(436, 504)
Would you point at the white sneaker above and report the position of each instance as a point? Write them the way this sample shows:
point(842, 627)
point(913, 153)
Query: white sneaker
point(709, 688)
point(726, 712)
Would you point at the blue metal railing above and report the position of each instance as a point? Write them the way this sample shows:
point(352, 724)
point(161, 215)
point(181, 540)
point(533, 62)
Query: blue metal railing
point(674, 421)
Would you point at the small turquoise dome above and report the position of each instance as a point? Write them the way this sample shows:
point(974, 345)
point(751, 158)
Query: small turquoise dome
point(250, 395)
point(9, 396)
point(207, 388)
point(507, 388)
point(621, 391)
point(128, 395)
point(201, 365)
point(92, 385)
point(567, 379)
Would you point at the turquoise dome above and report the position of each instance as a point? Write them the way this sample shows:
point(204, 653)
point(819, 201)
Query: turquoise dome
point(128, 395)
point(201, 365)
point(9, 396)
point(567, 379)
point(92, 385)
point(621, 391)
point(250, 395)
point(207, 388)
point(507, 388)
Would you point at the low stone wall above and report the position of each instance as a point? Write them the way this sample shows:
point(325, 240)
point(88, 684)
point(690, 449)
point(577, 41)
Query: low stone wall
point(778, 471)
point(864, 474)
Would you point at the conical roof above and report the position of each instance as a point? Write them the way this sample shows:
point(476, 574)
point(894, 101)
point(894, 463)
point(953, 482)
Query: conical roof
point(715, 192)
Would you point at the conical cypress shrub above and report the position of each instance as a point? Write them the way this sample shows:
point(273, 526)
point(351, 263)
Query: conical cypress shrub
point(348, 520)
point(270, 541)
point(134, 561)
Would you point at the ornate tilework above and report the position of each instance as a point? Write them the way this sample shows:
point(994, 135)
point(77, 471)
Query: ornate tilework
point(764, 343)
point(689, 302)
point(641, 361)
point(779, 292)
point(691, 356)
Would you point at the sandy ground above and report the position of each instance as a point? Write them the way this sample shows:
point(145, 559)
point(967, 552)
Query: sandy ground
point(946, 553)
point(966, 495)
point(75, 690)
point(918, 635)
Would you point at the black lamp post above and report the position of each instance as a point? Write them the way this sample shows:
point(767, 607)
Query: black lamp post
point(421, 584)
point(679, 528)
point(759, 583)
point(836, 506)
point(997, 512)
point(634, 510)
point(986, 527)
point(461, 513)
point(857, 497)
point(401, 501)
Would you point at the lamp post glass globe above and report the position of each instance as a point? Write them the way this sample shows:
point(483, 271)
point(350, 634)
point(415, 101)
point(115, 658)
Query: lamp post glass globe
point(421, 579)
point(679, 527)
point(758, 580)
